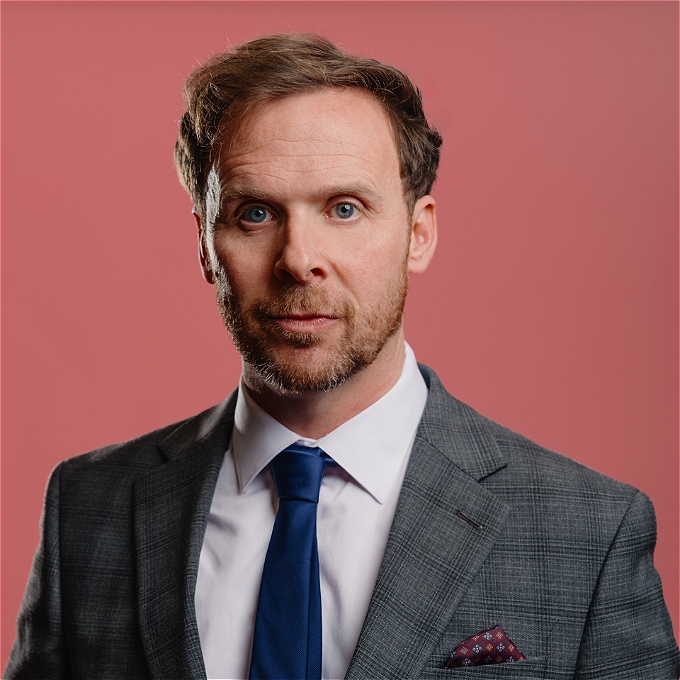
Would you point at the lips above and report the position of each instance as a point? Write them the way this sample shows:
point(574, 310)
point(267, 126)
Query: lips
point(304, 316)
point(304, 322)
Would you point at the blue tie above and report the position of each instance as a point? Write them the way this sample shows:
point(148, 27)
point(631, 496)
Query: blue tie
point(287, 639)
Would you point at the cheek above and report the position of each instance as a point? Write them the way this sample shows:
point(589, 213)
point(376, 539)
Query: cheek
point(375, 244)
point(245, 267)
point(370, 276)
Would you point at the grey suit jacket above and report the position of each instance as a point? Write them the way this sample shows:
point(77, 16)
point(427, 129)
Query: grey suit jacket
point(557, 554)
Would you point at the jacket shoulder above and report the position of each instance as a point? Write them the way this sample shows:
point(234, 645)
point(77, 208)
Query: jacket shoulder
point(149, 450)
point(498, 456)
point(552, 468)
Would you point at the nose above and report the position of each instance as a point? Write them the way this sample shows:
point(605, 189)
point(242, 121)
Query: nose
point(300, 256)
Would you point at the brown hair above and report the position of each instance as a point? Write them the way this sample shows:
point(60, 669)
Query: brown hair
point(222, 91)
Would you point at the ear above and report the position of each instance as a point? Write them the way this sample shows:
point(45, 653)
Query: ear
point(203, 258)
point(423, 235)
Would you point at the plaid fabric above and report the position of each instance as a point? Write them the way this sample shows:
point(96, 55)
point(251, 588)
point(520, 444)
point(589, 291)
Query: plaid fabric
point(489, 528)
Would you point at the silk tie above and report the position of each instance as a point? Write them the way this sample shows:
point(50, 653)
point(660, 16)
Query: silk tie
point(287, 638)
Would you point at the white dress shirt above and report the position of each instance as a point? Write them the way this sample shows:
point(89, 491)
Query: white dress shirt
point(356, 508)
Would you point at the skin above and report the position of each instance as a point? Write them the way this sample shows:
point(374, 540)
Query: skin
point(300, 162)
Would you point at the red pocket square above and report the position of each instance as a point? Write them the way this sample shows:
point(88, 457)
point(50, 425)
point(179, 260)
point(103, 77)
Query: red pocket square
point(488, 646)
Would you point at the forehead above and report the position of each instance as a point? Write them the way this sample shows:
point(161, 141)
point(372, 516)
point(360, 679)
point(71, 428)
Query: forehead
point(328, 135)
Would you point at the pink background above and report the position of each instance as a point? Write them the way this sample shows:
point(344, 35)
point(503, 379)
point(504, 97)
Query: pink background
point(551, 306)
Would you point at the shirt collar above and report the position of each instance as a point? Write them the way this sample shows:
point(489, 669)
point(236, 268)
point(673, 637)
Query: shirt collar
point(371, 446)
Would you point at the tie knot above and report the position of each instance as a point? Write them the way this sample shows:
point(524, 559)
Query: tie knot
point(297, 473)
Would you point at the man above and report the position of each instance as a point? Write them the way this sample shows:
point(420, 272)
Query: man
point(340, 514)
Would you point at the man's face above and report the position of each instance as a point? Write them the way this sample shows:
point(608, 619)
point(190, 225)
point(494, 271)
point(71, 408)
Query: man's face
point(307, 238)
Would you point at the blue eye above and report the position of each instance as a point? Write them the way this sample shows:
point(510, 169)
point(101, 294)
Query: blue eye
point(256, 214)
point(345, 210)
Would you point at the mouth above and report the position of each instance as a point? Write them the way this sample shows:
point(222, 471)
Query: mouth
point(304, 322)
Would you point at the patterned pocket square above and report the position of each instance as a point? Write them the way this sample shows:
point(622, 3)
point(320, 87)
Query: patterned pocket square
point(488, 646)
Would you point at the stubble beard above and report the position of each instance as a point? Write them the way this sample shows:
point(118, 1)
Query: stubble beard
point(257, 336)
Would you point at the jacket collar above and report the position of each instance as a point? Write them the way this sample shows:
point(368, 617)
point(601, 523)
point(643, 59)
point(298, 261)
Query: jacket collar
point(458, 432)
point(444, 527)
point(172, 504)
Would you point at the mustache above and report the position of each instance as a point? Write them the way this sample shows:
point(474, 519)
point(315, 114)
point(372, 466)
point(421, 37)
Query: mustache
point(311, 300)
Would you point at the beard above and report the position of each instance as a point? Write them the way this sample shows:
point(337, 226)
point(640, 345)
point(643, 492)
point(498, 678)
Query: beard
point(258, 337)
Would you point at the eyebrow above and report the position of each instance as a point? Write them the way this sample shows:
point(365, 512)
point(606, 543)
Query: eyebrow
point(353, 190)
point(235, 193)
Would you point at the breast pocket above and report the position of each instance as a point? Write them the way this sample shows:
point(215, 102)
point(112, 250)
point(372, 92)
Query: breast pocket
point(529, 669)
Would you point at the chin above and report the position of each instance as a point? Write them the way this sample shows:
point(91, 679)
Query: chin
point(304, 371)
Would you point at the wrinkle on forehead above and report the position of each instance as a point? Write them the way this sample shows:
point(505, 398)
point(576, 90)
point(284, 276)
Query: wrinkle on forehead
point(315, 140)
point(306, 155)
point(327, 123)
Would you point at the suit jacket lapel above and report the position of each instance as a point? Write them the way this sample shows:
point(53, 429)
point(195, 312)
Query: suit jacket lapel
point(444, 527)
point(172, 504)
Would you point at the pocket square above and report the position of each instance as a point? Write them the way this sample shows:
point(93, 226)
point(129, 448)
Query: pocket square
point(486, 647)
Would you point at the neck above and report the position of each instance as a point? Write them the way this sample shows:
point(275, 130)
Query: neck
point(315, 414)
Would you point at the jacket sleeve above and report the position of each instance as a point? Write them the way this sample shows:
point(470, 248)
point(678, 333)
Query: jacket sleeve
point(628, 633)
point(39, 650)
